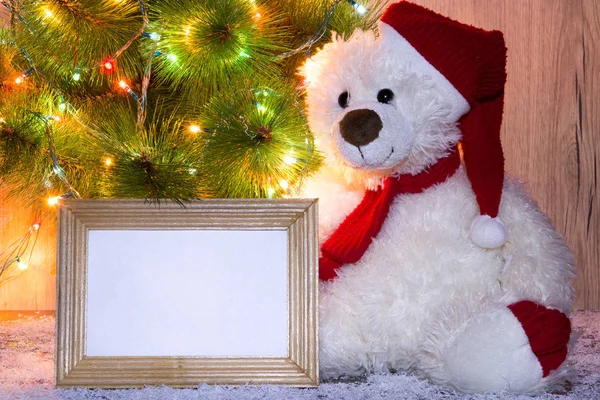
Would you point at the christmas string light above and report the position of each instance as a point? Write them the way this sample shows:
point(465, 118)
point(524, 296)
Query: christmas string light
point(20, 79)
point(57, 167)
point(361, 10)
point(108, 65)
point(22, 266)
point(141, 117)
point(194, 128)
point(19, 254)
point(145, 22)
point(173, 57)
point(123, 85)
point(261, 108)
point(289, 159)
point(152, 36)
point(54, 200)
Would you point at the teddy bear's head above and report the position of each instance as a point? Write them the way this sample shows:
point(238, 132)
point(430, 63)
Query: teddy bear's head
point(375, 110)
point(395, 104)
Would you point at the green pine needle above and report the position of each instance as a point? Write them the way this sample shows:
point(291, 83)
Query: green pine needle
point(159, 162)
point(28, 121)
point(64, 37)
point(207, 44)
point(256, 143)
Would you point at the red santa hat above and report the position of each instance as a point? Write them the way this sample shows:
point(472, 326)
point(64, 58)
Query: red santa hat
point(469, 65)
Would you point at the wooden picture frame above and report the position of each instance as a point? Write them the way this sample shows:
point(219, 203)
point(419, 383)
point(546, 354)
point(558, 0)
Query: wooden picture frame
point(89, 233)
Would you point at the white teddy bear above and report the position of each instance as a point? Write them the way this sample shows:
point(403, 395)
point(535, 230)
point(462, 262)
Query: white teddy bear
point(428, 264)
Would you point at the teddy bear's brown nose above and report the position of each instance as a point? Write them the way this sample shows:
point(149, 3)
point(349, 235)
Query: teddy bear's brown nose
point(360, 127)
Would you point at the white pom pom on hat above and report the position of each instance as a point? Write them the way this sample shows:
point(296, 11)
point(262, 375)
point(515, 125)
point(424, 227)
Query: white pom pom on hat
point(488, 232)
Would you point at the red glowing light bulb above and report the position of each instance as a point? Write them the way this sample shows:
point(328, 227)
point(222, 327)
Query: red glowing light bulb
point(108, 66)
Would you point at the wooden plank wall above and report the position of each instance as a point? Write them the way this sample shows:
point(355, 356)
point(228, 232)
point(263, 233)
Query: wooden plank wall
point(551, 130)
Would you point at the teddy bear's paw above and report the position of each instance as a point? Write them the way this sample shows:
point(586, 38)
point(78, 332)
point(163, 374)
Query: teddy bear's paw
point(341, 352)
point(340, 367)
point(507, 349)
point(492, 353)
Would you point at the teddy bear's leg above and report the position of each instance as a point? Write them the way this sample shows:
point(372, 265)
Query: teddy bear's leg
point(518, 348)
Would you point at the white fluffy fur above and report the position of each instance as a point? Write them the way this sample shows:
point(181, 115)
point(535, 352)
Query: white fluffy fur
point(424, 297)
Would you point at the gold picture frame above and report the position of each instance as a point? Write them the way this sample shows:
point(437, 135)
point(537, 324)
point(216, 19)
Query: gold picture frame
point(78, 219)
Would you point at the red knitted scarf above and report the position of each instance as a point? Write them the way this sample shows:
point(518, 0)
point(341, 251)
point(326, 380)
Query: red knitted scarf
point(353, 237)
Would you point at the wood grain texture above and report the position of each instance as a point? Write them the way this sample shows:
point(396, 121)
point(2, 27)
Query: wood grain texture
point(583, 222)
point(4, 17)
point(34, 288)
point(550, 131)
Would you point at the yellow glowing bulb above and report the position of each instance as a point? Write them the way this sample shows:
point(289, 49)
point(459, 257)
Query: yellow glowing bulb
point(22, 266)
point(2, 120)
point(35, 226)
point(122, 84)
point(108, 161)
point(52, 201)
point(187, 31)
point(257, 15)
point(289, 160)
point(270, 192)
point(284, 184)
point(194, 129)
point(48, 13)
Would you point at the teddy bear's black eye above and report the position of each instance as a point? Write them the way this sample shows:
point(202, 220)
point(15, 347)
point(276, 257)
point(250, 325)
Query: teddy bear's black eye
point(343, 99)
point(385, 96)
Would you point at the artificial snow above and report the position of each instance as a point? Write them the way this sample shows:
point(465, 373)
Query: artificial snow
point(27, 368)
